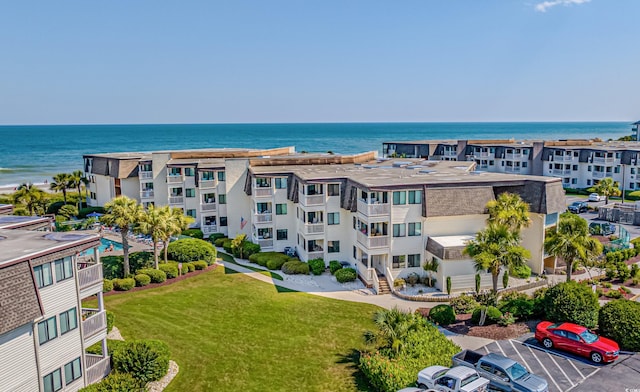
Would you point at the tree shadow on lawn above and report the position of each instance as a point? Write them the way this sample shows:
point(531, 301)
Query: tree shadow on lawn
point(352, 359)
point(279, 289)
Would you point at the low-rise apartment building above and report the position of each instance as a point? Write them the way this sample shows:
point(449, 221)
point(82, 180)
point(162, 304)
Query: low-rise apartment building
point(44, 328)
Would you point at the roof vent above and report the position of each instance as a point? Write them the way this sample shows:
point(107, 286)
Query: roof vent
point(400, 163)
point(426, 171)
point(370, 166)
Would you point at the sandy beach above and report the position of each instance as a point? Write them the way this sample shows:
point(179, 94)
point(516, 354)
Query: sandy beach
point(4, 189)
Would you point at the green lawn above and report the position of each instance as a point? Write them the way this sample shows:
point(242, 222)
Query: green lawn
point(229, 332)
point(228, 258)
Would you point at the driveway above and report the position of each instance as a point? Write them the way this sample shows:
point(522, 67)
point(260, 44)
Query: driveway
point(634, 231)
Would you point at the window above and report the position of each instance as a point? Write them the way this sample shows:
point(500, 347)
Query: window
point(146, 167)
point(413, 260)
point(333, 189)
point(190, 192)
point(354, 253)
point(223, 221)
point(189, 171)
point(525, 152)
point(574, 181)
point(398, 261)
point(175, 171)
point(222, 199)
point(72, 371)
point(281, 183)
point(281, 209)
point(574, 167)
point(191, 213)
point(399, 197)
point(633, 170)
point(282, 234)
point(206, 176)
point(524, 164)
point(221, 176)
point(53, 381)
point(47, 330)
point(354, 222)
point(333, 246)
point(491, 163)
point(588, 182)
point(616, 169)
point(589, 168)
point(43, 275)
point(64, 268)
point(415, 197)
point(263, 182)
point(68, 321)
point(415, 229)
point(399, 230)
point(333, 218)
point(175, 192)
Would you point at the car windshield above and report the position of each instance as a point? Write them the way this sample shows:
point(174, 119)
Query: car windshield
point(440, 373)
point(517, 371)
point(469, 380)
point(589, 336)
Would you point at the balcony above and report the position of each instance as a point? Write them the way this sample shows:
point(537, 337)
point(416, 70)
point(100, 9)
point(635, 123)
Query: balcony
point(449, 153)
point(561, 172)
point(206, 184)
point(176, 199)
point(313, 228)
point(598, 174)
point(373, 242)
point(209, 229)
point(482, 154)
point(265, 217)
point(90, 280)
point(146, 194)
point(207, 206)
point(316, 255)
point(512, 169)
point(265, 243)
point(602, 160)
point(373, 209)
point(311, 200)
point(94, 325)
point(145, 175)
point(97, 368)
point(262, 192)
point(513, 156)
point(174, 179)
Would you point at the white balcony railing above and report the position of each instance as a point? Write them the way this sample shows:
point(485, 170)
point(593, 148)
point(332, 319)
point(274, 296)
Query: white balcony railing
point(450, 153)
point(208, 229)
point(561, 172)
point(311, 200)
point(316, 255)
point(176, 199)
point(314, 228)
point(512, 169)
point(90, 276)
point(262, 192)
point(373, 209)
point(98, 367)
point(482, 154)
point(512, 156)
point(208, 207)
point(602, 160)
point(373, 242)
point(174, 179)
point(146, 194)
point(205, 184)
point(94, 324)
point(145, 175)
point(263, 218)
point(265, 243)
point(598, 174)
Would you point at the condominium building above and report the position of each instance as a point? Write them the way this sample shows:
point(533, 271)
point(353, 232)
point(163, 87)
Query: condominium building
point(44, 328)
point(34, 223)
point(6, 209)
point(579, 163)
point(385, 216)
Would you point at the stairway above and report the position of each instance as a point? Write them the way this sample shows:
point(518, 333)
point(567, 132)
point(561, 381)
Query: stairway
point(384, 285)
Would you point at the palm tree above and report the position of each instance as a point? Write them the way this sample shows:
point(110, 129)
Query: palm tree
point(393, 328)
point(122, 213)
point(61, 182)
point(29, 195)
point(431, 267)
point(607, 187)
point(509, 210)
point(238, 245)
point(177, 223)
point(572, 242)
point(495, 247)
point(77, 178)
point(154, 222)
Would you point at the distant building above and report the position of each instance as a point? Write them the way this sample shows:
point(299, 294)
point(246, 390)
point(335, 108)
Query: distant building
point(6, 209)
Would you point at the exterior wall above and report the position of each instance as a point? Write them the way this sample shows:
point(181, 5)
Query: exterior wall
point(533, 240)
point(130, 187)
point(454, 225)
point(238, 203)
point(160, 186)
point(18, 360)
point(104, 189)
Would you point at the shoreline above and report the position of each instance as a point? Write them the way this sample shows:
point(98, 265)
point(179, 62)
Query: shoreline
point(10, 188)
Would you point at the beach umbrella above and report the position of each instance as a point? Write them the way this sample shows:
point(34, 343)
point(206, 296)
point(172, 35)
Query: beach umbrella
point(94, 214)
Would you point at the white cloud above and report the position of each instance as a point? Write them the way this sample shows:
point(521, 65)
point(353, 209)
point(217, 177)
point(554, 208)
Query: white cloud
point(545, 5)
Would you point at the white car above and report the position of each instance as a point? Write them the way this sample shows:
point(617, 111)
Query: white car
point(456, 379)
point(595, 197)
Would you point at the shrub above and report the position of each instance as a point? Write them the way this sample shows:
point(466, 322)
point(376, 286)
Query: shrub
point(620, 321)
point(399, 282)
point(521, 271)
point(505, 279)
point(111, 318)
point(448, 285)
point(249, 248)
point(226, 245)
point(572, 302)
point(271, 260)
point(188, 267)
point(412, 279)
point(377, 368)
point(518, 307)
point(112, 267)
point(346, 275)
point(216, 236)
point(139, 260)
point(463, 304)
point(192, 249)
point(623, 271)
point(170, 269)
point(157, 276)
point(295, 267)
point(607, 285)
point(124, 284)
point(54, 207)
point(195, 233)
point(142, 280)
point(615, 294)
point(107, 285)
point(442, 315)
point(317, 266)
point(116, 382)
point(146, 360)
point(219, 242)
point(635, 271)
point(185, 268)
point(334, 265)
point(506, 319)
point(492, 317)
point(200, 265)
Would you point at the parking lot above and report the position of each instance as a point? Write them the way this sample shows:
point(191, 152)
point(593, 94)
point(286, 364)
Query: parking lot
point(634, 231)
point(566, 372)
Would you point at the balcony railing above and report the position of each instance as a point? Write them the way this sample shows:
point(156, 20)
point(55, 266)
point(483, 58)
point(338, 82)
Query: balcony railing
point(482, 154)
point(95, 323)
point(262, 192)
point(145, 175)
point(450, 153)
point(560, 172)
point(208, 229)
point(513, 156)
point(597, 174)
point(176, 199)
point(373, 209)
point(373, 242)
point(90, 276)
point(204, 184)
point(316, 255)
point(207, 206)
point(146, 194)
point(263, 218)
point(602, 160)
point(265, 243)
point(512, 169)
point(174, 179)
point(97, 367)
point(311, 200)
point(314, 228)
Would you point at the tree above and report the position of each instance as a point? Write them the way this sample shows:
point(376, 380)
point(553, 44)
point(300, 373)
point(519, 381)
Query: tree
point(572, 242)
point(431, 267)
point(607, 187)
point(61, 182)
point(394, 327)
point(122, 213)
point(495, 247)
point(31, 196)
point(509, 210)
point(154, 222)
point(177, 222)
point(68, 211)
point(77, 178)
point(237, 244)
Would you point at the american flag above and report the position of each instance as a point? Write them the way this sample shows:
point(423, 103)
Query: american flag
point(243, 222)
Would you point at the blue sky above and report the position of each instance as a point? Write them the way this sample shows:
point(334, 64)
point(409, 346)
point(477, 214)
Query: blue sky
point(211, 61)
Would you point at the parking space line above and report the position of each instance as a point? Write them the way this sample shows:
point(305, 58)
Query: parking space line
point(501, 350)
point(561, 370)
point(487, 350)
point(558, 354)
point(545, 370)
point(588, 375)
point(579, 372)
point(519, 355)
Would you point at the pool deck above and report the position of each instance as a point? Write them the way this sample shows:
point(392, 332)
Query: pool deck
point(134, 246)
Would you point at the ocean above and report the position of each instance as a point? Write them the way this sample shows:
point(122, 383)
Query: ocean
point(30, 153)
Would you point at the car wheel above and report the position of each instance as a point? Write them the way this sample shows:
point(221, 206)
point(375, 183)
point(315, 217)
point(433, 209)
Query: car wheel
point(422, 386)
point(547, 343)
point(596, 357)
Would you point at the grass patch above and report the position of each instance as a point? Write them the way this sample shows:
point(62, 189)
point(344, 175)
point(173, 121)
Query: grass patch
point(234, 333)
point(228, 258)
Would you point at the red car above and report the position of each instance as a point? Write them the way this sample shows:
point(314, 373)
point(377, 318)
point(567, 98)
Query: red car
point(578, 340)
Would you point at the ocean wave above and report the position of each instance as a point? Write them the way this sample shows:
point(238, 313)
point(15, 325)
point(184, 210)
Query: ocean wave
point(7, 170)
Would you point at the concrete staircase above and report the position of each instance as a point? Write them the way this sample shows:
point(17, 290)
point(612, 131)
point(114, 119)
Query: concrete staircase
point(384, 285)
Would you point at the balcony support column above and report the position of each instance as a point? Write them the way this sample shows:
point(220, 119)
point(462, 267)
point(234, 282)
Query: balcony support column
point(104, 348)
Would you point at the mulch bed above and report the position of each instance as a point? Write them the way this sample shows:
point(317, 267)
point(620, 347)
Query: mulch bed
point(463, 326)
point(624, 295)
point(166, 282)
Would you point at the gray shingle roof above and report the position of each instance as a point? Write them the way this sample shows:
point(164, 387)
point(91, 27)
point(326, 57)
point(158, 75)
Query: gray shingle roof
point(19, 303)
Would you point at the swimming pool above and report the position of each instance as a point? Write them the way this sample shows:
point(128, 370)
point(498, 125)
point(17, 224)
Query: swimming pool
point(104, 245)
